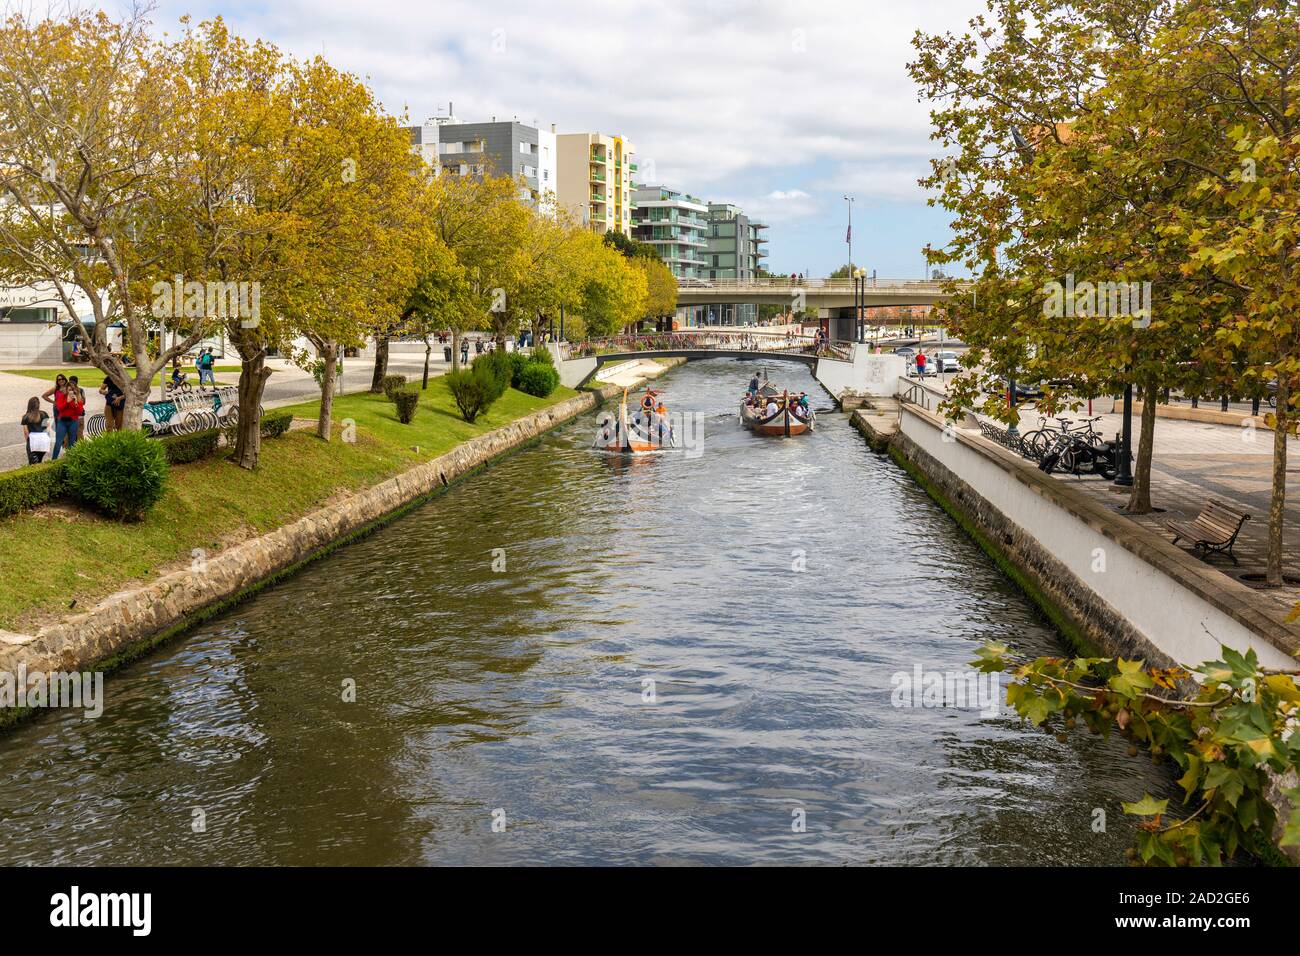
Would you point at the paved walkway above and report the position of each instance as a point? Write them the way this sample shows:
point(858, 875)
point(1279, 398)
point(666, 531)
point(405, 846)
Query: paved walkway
point(287, 386)
point(1191, 462)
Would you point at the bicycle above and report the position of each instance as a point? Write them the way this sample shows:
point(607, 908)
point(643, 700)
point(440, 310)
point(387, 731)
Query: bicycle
point(1075, 456)
point(1041, 440)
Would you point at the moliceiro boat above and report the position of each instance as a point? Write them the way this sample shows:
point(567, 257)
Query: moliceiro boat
point(645, 430)
point(768, 412)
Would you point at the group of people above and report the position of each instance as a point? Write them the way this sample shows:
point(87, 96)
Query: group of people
point(69, 405)
point(651, 417)
point(799, 404)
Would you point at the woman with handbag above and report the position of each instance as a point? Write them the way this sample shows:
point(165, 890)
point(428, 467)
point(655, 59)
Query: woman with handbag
point(36, 432)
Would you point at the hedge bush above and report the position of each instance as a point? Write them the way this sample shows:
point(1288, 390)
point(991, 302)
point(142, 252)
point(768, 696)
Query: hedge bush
point(542, 356)
point(390, 384)
point(30, 486)
point(275, 424)
point(183, 449)
point(518, 361)
point(123, 474)
point(538, 379)
point(474, 389)
point(406, 400)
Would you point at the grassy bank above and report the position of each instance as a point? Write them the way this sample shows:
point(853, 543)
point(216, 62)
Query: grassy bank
point(58, 555)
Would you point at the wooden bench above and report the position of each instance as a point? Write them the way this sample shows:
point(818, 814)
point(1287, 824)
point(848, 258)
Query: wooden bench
point(1214, 530)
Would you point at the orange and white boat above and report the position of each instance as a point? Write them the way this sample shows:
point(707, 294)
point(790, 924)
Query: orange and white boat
point(644, 431)
point(767, 413)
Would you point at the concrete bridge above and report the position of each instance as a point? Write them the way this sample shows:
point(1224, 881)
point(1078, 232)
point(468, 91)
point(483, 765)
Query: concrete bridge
point(810, 293)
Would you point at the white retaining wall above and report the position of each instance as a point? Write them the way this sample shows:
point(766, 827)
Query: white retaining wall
point(1174, 618)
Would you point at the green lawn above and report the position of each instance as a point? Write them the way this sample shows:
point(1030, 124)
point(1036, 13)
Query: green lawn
point(89, 377)
point(52, 556)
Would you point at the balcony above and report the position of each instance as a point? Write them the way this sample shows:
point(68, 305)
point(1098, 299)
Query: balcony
point(598, 177)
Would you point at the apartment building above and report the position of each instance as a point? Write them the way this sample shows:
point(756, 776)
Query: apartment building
point(735, 251)
point(675, 223)
point(505, 148)
point(595, 180)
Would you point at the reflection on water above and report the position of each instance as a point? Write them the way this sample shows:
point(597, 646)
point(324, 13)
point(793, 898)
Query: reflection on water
point(648, 680)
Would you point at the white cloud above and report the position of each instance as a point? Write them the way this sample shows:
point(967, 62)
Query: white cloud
point(788, 103)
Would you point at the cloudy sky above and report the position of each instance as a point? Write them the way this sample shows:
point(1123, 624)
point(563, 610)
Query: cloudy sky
point(780, 107)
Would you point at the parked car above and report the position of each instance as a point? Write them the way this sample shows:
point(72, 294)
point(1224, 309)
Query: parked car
point(907, 353)
point(1029, 392)
point(946, 362)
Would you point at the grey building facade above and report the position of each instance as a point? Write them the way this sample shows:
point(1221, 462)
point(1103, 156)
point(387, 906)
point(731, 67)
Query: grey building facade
point(507, 148)
point(735, 251)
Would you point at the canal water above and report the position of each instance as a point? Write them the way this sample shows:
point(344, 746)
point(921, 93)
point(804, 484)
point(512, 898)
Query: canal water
point(572, 658)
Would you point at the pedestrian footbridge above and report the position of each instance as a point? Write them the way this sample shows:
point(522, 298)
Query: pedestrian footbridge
point(840, 367)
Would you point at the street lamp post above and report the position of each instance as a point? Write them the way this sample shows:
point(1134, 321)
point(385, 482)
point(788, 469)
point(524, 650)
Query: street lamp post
point(1125, 475)
point(848, 236)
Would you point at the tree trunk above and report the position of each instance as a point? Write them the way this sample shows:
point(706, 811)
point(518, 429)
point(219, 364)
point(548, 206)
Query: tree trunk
point(133, 406)
point(381, 362)
point(328, 354)
point(1139, 502)
point(1277, 503)
point(253, 374)
point(455, 349)
point(428, 347)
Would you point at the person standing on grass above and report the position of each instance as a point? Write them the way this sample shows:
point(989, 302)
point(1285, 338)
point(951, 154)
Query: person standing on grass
point(36, 431)
point(67, 417)
point(114, 404)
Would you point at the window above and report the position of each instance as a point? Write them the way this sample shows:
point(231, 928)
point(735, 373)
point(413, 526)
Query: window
point(27, 316)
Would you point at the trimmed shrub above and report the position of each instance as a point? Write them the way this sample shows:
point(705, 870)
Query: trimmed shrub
point(274, 424)
point(390, 384)
point(407, 401)
point(30, 486)
point(538, 379)
point(183, 449)
point(122, 474)
point(474, 389)
point(518, 360)
point(542, 356)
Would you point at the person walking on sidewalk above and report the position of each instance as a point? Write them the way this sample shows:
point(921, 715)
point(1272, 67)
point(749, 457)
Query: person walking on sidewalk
point(206, 364)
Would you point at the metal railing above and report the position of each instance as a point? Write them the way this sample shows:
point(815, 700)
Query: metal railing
point(917, 394)
point(704, 340)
